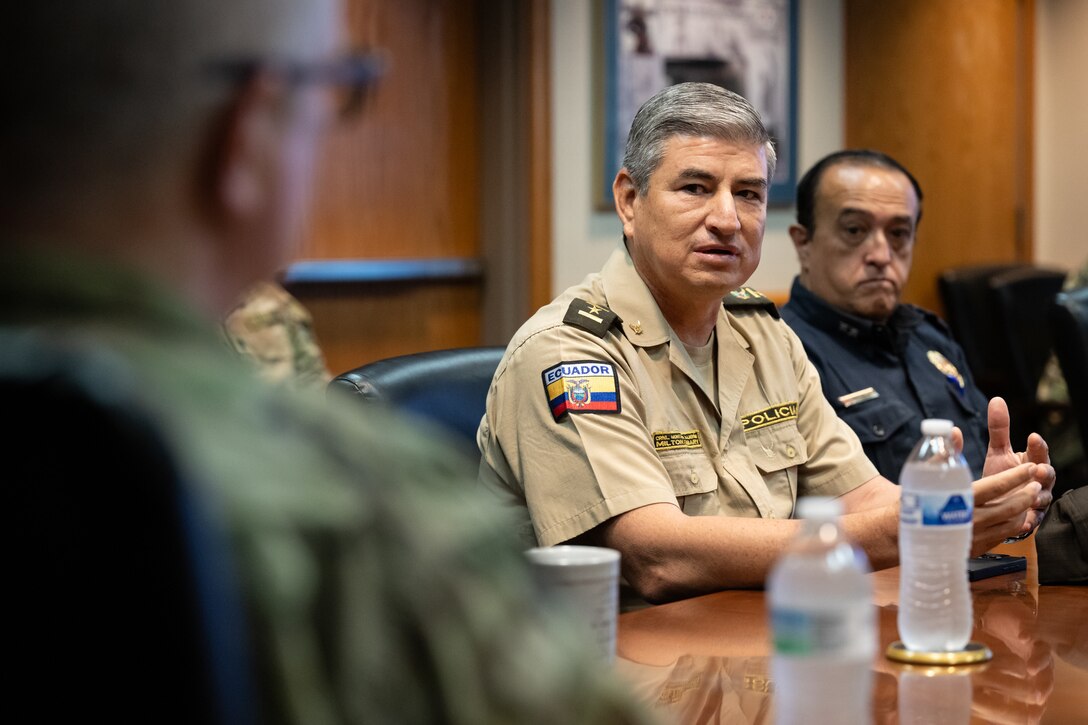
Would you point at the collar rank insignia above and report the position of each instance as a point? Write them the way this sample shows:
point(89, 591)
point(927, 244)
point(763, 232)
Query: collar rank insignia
point(947, 369)
point(746, 297)
point(591, 318)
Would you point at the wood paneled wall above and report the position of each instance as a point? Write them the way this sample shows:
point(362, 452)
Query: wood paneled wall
point(400, 180)
point(400, 183)
point(945, 87)
point(422, 176)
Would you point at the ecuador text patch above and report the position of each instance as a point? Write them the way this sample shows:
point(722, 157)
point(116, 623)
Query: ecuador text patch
point(583, 386)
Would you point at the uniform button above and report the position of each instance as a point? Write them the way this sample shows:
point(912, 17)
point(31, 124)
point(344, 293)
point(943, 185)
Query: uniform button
point(771, 515)
point(791, 452)
point(878, 429)
point(694, 477)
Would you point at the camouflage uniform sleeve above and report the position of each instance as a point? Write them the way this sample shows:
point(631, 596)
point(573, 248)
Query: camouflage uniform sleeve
point(435, 610)
point(272, 329)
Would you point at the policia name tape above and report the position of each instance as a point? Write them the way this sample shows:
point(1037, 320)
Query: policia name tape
point(769, 416)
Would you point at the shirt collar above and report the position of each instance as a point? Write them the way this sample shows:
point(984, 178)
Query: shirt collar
point(643, 323)
point(839, 323)
point(630, 298)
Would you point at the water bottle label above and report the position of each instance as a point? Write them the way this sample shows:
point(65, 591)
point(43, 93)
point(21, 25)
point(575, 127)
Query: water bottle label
point(841, 632)
point(936, 509)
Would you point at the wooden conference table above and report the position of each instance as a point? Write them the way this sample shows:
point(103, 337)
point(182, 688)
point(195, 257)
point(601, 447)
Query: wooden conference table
point(707, 659)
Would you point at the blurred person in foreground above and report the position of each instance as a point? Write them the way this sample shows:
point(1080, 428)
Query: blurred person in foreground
point(884, 365)
point(157, 161)
point(661, 408)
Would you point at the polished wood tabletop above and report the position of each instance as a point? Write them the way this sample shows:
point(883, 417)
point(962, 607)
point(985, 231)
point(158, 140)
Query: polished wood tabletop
point(707, 659)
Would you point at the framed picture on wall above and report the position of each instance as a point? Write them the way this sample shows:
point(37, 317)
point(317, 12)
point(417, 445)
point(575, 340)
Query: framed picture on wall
point(747, 46)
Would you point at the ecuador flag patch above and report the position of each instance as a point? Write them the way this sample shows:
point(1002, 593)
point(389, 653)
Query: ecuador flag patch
point(583, 386)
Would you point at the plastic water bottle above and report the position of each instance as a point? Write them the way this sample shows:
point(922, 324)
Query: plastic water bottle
point(934, 543)
point(823, 622)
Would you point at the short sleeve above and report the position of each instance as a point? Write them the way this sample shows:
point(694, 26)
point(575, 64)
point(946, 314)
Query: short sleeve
point(584, 463)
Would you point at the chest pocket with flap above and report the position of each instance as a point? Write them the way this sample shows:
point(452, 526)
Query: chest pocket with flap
point(777, 448)
point(694, 481)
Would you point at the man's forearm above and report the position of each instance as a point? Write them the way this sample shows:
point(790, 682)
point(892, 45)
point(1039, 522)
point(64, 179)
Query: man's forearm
point(669, 555)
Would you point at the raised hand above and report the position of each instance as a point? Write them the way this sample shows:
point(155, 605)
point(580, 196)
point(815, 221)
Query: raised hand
point(1000, 456)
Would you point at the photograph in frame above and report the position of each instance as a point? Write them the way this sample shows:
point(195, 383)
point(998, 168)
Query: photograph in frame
point(747, 46)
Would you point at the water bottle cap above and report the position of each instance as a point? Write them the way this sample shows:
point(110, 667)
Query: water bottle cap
point(818, 507)
point(936, 427)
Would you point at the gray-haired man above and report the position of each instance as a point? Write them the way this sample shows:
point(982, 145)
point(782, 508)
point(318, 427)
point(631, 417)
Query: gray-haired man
point(639, 412)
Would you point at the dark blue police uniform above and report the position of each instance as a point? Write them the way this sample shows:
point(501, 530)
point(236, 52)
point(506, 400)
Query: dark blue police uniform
point(884, 378)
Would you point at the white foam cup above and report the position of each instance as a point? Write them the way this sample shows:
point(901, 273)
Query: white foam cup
point(585, 578)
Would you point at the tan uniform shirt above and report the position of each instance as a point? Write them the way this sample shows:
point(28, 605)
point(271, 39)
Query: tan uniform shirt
point(580, 427)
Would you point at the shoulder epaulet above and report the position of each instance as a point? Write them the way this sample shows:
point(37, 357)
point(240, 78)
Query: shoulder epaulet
point(748, 297)
point(589, 317)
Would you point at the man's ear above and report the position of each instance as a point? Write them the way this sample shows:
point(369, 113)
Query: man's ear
point(241, 152)
point(802, 242)
point(625, 193)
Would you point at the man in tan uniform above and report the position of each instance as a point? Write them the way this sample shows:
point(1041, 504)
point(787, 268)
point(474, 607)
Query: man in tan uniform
point(637, 411)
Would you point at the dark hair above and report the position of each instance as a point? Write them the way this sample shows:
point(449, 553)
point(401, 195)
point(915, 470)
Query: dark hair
point(806, 189)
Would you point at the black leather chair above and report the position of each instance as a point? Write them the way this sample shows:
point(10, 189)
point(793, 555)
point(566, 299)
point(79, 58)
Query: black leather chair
point(969, 309)
point(448, 387)
point(120, 602)
point(1022, 299)
point(1069, 318)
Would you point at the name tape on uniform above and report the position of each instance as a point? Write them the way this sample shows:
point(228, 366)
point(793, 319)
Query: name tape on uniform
point(674, 439)
point(769, 416)
point(858, 396)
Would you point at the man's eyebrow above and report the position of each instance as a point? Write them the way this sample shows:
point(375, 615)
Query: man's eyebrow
point(754, 181)
point(696, 173)
point(848, 210)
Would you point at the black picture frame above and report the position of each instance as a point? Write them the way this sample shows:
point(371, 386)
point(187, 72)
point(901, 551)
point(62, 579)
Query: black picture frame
point(748, 46)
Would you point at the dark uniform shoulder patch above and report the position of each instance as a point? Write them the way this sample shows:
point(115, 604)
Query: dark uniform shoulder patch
point(746, 297)
point(591, 318)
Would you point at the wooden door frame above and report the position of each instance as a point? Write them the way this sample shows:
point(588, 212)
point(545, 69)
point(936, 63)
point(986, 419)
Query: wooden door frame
point(516, 164)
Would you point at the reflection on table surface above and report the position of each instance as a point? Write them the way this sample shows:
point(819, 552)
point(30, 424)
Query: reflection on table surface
point(707, 659)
